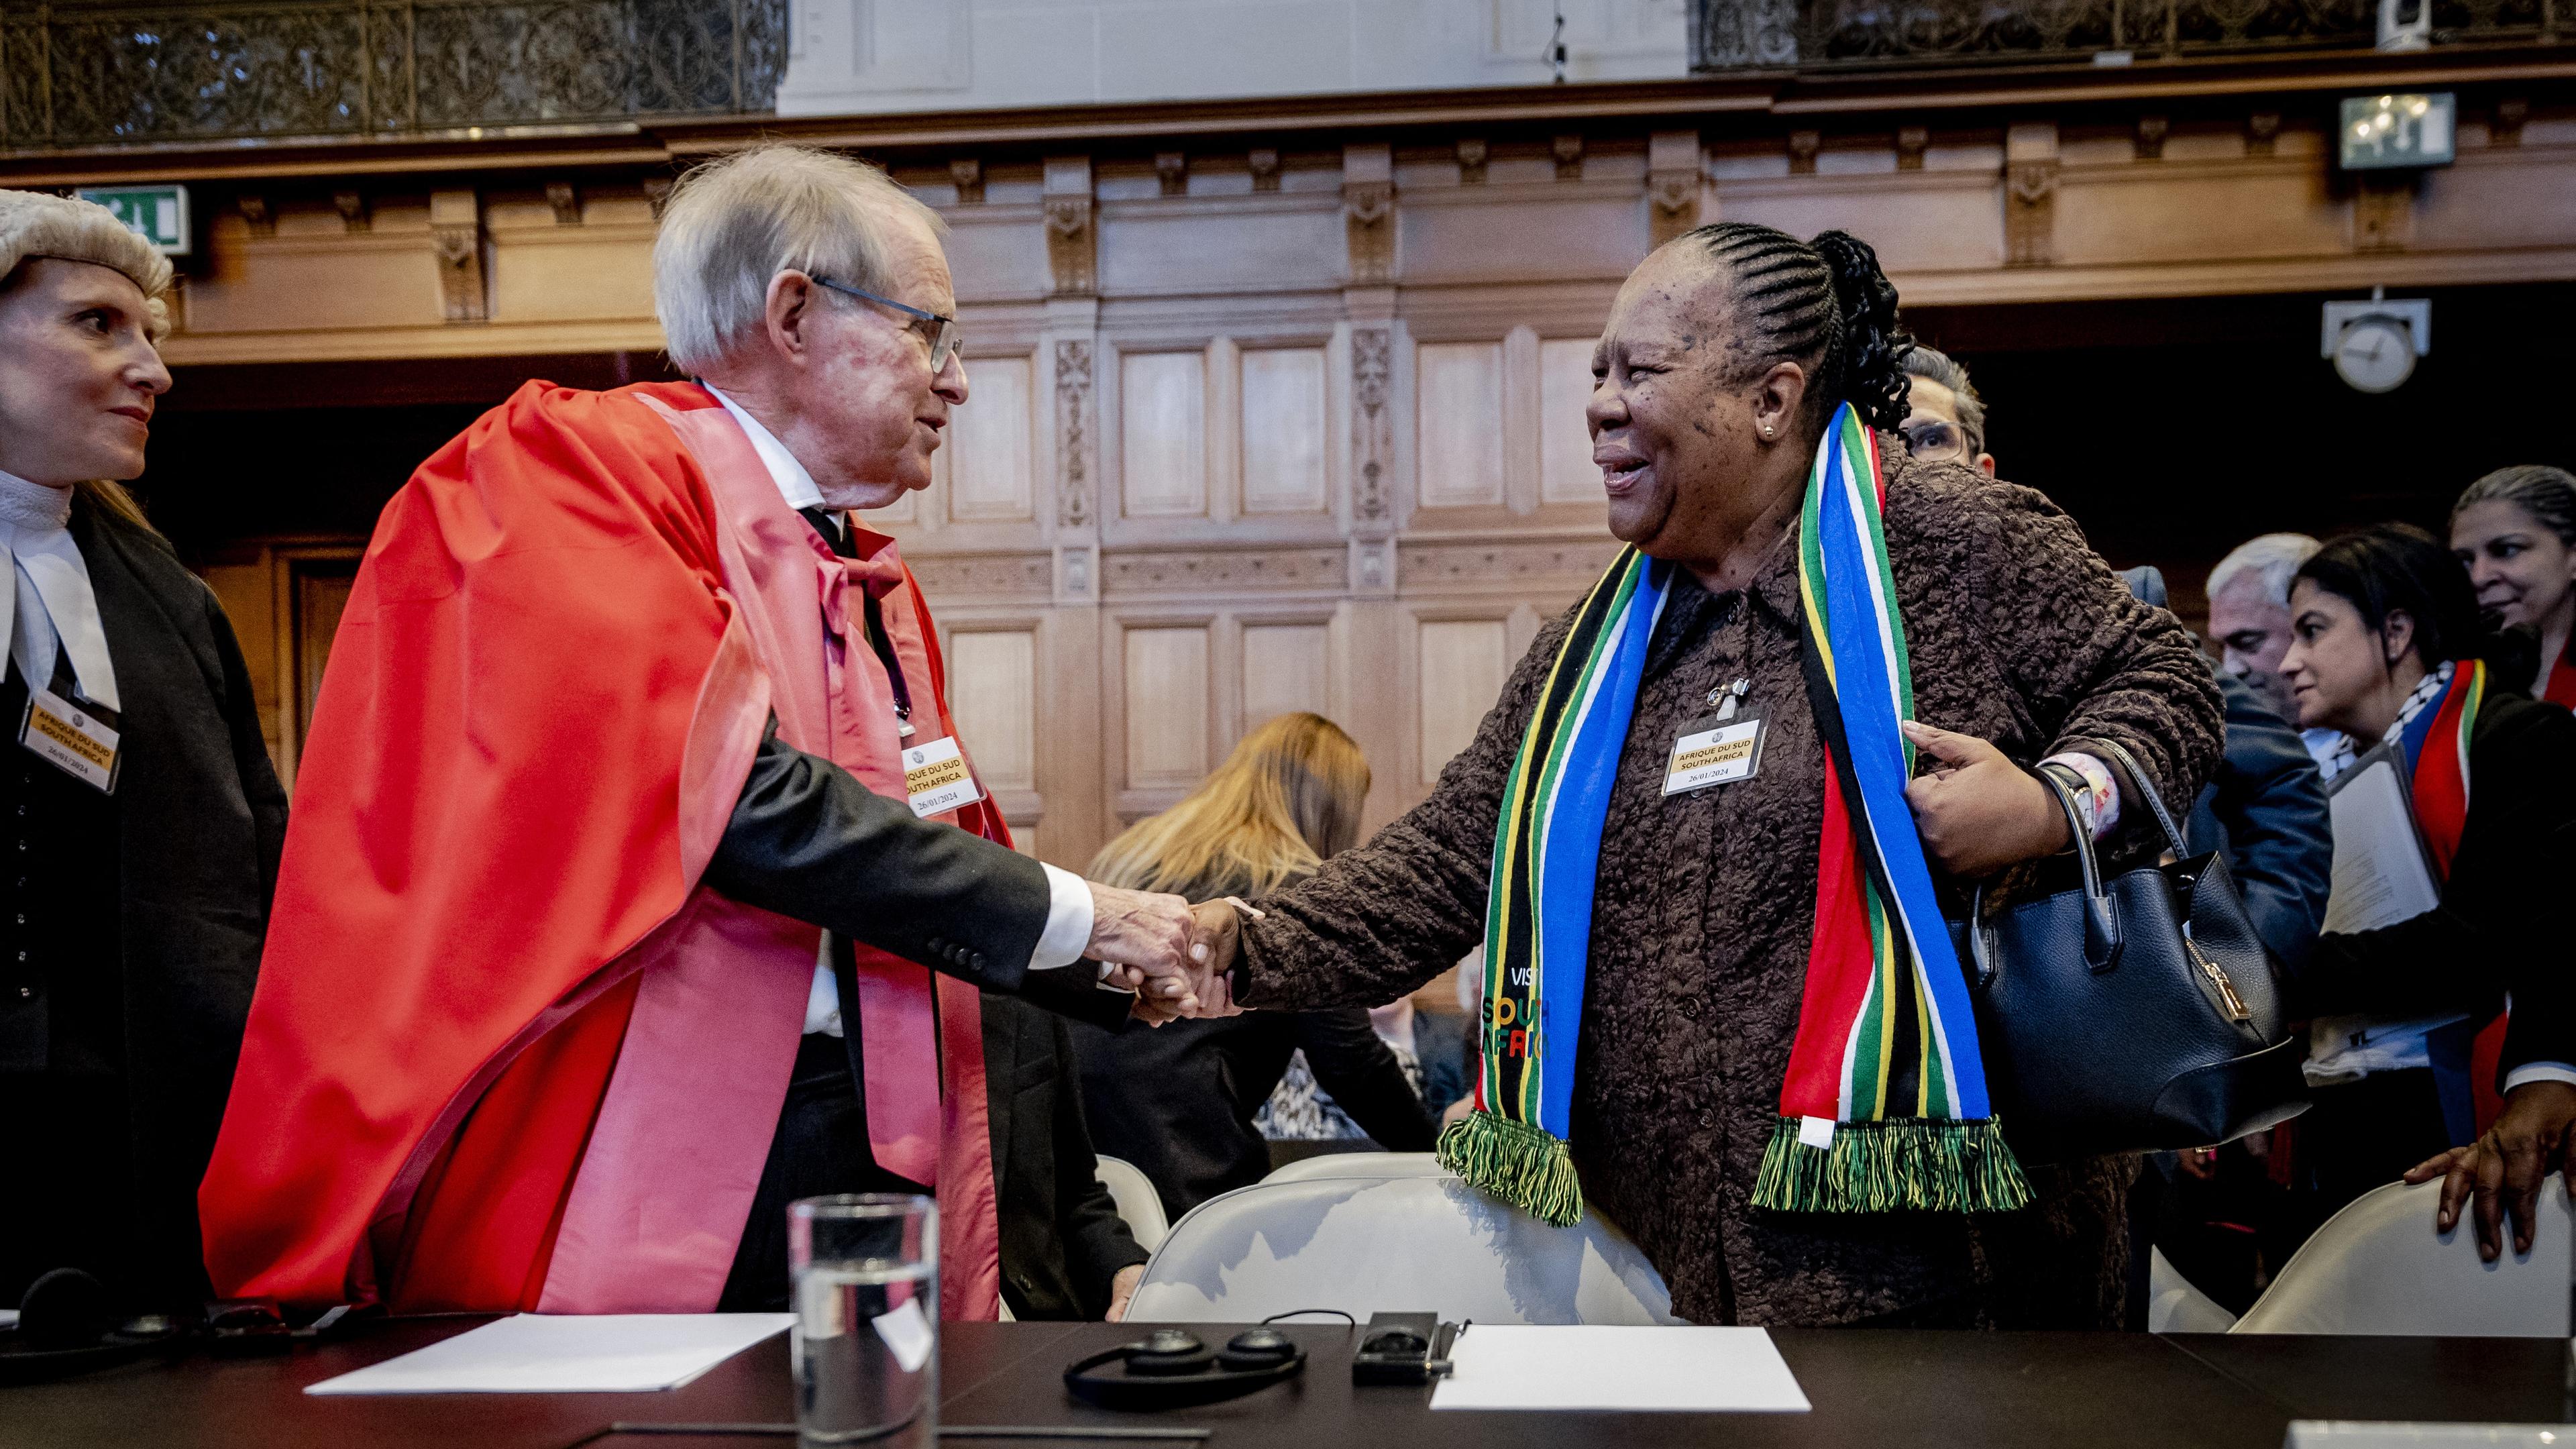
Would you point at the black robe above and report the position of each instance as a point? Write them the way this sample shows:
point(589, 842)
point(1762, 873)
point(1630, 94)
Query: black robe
point(133, 938)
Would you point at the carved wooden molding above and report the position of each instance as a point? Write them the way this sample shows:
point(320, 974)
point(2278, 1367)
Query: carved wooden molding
point(566, 201)
point(2505, 128)
point(968, 175)
point(1911, 142)
point(1073, 245)
point(1073, 432)
point(1264, 161)
point(1569, 158)
point(254, 210)
point(1803, 146)
point(1570, 564)
point(1373, 429)
point(1367, 207)
point(2261, 129)
point(1471, 162)
point(1172, 169)
point(352, 206)
point(1008, 575)
point(1207, 570)
point(2383, 213)
point(657, 194)
point(2151, 137)
point(1673, 166)
point(456, 233)
point(2030, 213)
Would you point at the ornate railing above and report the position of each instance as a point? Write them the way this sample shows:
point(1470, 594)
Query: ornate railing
point(83, 73)
point(1836, 34)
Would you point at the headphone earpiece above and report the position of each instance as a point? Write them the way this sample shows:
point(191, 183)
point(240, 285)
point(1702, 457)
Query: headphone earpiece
point(1172, 1369)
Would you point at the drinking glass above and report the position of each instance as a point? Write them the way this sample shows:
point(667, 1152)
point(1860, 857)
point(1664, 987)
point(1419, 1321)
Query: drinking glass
point(864, 1270)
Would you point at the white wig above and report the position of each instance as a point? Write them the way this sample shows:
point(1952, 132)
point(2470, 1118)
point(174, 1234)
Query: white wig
point(2272, 560)
point(34, 225)
point(731, 226)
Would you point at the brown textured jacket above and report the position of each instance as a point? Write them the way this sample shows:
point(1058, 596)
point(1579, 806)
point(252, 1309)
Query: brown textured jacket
point(2018, 634)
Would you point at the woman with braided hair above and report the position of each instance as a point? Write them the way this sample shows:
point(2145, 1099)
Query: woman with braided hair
point(1721, 795)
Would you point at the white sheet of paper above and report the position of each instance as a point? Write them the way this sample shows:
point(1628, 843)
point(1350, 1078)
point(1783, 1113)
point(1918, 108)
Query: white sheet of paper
point(2380, 874)
point(535, 1353)
point(1699, 1370)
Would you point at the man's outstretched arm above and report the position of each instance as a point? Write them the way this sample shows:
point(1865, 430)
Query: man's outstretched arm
point(807, 840)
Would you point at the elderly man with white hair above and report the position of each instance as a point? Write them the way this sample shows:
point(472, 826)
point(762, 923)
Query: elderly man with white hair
point(145, 819)
point(2249, 612)
point(633, 824)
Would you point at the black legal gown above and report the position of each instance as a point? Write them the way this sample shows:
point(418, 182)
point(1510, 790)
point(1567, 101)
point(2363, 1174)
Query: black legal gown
point(133, 924)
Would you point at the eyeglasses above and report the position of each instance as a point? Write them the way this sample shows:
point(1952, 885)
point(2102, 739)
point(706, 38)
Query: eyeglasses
point(1936, 440)
point(940, 332)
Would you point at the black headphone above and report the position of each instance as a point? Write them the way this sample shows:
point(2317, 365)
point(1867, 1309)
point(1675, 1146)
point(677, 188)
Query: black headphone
point(1172, 1370)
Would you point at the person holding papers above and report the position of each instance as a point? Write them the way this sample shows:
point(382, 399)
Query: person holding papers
point(146, 818)
point(623, 709)
point(2388, 649)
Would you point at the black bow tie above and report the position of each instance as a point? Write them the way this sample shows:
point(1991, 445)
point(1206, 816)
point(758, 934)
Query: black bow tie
point(834, 528)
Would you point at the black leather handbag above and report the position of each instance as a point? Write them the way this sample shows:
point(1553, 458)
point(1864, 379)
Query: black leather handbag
point(2135, 1014)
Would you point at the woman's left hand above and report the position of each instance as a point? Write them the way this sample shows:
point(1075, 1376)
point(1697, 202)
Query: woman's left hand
point(1122, 1286)
point(1980, 812)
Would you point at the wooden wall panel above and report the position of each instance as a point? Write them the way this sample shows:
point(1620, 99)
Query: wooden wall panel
point(1458, 423)
point(1286, 667)
point(1462, 666)
point(993, 474)
point(1167, 706)
point(992, 690)
point(1163, 434)
point(1566, 473)
point(1284, 430)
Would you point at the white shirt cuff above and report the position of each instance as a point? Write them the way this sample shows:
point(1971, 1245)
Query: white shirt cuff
point(2530, 1072)
point(1068, 924)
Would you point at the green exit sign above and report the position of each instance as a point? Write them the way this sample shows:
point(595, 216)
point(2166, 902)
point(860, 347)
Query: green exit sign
point(158, 214)
point(2390, 131)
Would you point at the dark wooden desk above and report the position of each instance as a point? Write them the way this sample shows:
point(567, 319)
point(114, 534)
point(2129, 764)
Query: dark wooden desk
point(1975, 1391)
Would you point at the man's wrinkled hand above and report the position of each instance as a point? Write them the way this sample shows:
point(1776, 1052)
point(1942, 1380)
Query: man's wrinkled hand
point(2501, 1172)
point(1147, 936)
point(1980, 812)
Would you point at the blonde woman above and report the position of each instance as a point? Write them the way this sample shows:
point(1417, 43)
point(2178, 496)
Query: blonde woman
point(144, 818)
point(1179, 1101)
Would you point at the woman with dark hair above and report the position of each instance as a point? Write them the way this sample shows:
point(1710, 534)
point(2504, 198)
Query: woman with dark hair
point(1706, 858)
point(2388, 646)
point(147, 818)
point(2515, 531)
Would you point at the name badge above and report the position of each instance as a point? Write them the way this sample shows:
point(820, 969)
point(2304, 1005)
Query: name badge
point(69, 738)
point(936, 778)
point(1711, 753)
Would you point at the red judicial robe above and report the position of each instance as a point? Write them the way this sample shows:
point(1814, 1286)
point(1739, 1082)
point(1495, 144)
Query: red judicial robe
point(506, 1051)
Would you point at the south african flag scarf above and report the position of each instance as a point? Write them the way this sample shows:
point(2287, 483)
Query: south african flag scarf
point(1885, 1104)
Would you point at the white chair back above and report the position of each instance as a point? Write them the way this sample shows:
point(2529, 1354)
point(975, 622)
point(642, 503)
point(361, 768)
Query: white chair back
point(1360, 1164)
point(2378, 1267)
point(1138, 1204)
point(2174, 1306)
point(1397, 1244)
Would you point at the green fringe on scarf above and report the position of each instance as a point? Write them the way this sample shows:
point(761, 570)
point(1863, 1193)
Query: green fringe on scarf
point(1525, 1166)
point(1891, 1165)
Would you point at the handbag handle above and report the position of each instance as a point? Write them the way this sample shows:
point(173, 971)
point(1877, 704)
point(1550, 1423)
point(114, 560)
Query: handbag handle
point(2128, 764)
point(2101, 922)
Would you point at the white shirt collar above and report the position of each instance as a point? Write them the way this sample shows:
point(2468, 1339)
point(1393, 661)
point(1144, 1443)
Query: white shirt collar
point(794, 483)
point(47, 607)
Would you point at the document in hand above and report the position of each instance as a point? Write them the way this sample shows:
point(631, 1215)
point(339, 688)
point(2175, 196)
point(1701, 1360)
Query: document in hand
point(1622, 1369)
point(533, 1353)
point(2382, 873)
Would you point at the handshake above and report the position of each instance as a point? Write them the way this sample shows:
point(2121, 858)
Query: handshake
point(1175, 956)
